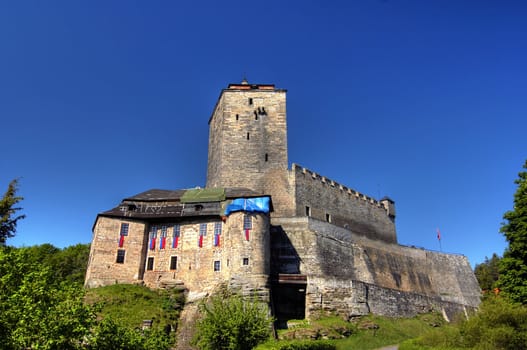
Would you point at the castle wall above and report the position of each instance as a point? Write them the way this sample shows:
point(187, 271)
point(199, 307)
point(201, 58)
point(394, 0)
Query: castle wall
point(243, 263)
point(195, 265)
point(326, 200)
point(103, 268)
point(350, 275)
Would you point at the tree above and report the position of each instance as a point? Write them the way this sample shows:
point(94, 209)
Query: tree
point(231, 322)
point(38, 310)
point(513, 265)
point(8, 219)
point(487, 272)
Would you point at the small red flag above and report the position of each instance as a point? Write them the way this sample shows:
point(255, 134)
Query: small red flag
point(246, 234)
point(175, 242)
point(121, 241)
point(438, 235)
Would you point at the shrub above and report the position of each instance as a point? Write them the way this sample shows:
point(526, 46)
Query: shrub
point(309, 345)
point(232, 322)
point(499, 324)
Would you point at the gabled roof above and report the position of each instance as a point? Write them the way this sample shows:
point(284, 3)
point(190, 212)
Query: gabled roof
point(159, 204)
point(175, 195)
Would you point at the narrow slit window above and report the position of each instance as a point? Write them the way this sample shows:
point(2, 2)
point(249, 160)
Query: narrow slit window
point(245, 261)
point(247, 136)
point(328, 217)
point(237, 117)
point(308, 211)
point(217, 265)
point(250, 101)
point(150, 263)
point(266, 157)
point(173, 263)
point(255, 115)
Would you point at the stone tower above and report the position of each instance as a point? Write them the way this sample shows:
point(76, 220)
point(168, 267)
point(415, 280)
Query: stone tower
point(248, 137)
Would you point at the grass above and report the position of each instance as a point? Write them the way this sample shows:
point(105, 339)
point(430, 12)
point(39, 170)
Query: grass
point(129, 305)
point(391, 331)
point(369, 332)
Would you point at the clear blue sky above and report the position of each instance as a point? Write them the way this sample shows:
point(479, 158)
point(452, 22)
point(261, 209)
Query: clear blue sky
point(422, 101)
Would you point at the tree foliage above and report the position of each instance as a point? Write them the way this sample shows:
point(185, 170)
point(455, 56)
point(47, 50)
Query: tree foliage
point(513, 265)
point(37, 310)
point(231, 322)
point(8, 211)
point(499, 324)
point(110, 335)
point(42, 305)
point(487, 272)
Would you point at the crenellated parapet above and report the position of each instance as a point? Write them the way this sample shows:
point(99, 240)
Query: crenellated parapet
point(327, 200)
point(382, 203)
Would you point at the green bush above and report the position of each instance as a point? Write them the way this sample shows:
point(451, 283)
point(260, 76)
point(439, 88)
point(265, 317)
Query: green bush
point(498, 325)
point(232, 322)
point(110, 335)
point(309, 345)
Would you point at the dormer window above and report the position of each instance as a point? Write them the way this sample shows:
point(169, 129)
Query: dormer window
point(198, 207)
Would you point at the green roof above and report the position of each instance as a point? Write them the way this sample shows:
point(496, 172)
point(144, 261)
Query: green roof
point(203, 195)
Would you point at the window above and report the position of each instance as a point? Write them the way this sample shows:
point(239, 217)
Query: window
point(175, 236)
point(245, 261)
point(308, 211)
point(153, 236)
point(328, 217)
point(217, 228)
point(247, 136)
point(177, 230)
point(163, 242)
point(150, 263)
point(266, 157)
point(173, 263)
point(217, 233)
point(120, 256)
point(247, 222)
point(237, 117)
point(202, 229)
point(255, 115)
point(250, 101)
point(124, 229)
point(217, 265)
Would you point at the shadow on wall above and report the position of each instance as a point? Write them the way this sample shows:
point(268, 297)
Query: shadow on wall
point(284, 257)
point(288, 285)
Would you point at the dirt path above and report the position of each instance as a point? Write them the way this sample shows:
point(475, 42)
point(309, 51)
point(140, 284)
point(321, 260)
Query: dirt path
point(186, 330)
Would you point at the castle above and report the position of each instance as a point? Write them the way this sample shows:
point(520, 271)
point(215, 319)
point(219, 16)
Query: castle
point(299, 240)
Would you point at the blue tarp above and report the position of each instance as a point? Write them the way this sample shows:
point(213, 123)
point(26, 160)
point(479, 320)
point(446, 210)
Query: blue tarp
point(258, 204)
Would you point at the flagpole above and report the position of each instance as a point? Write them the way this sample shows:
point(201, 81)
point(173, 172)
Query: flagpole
point(439, 239)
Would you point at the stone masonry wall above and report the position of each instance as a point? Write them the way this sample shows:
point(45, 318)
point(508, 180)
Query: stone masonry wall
point(247, 138)
point(196, 264)
point(102, 267)
point(350, 275)
point(342, 206)
point(243, 264)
